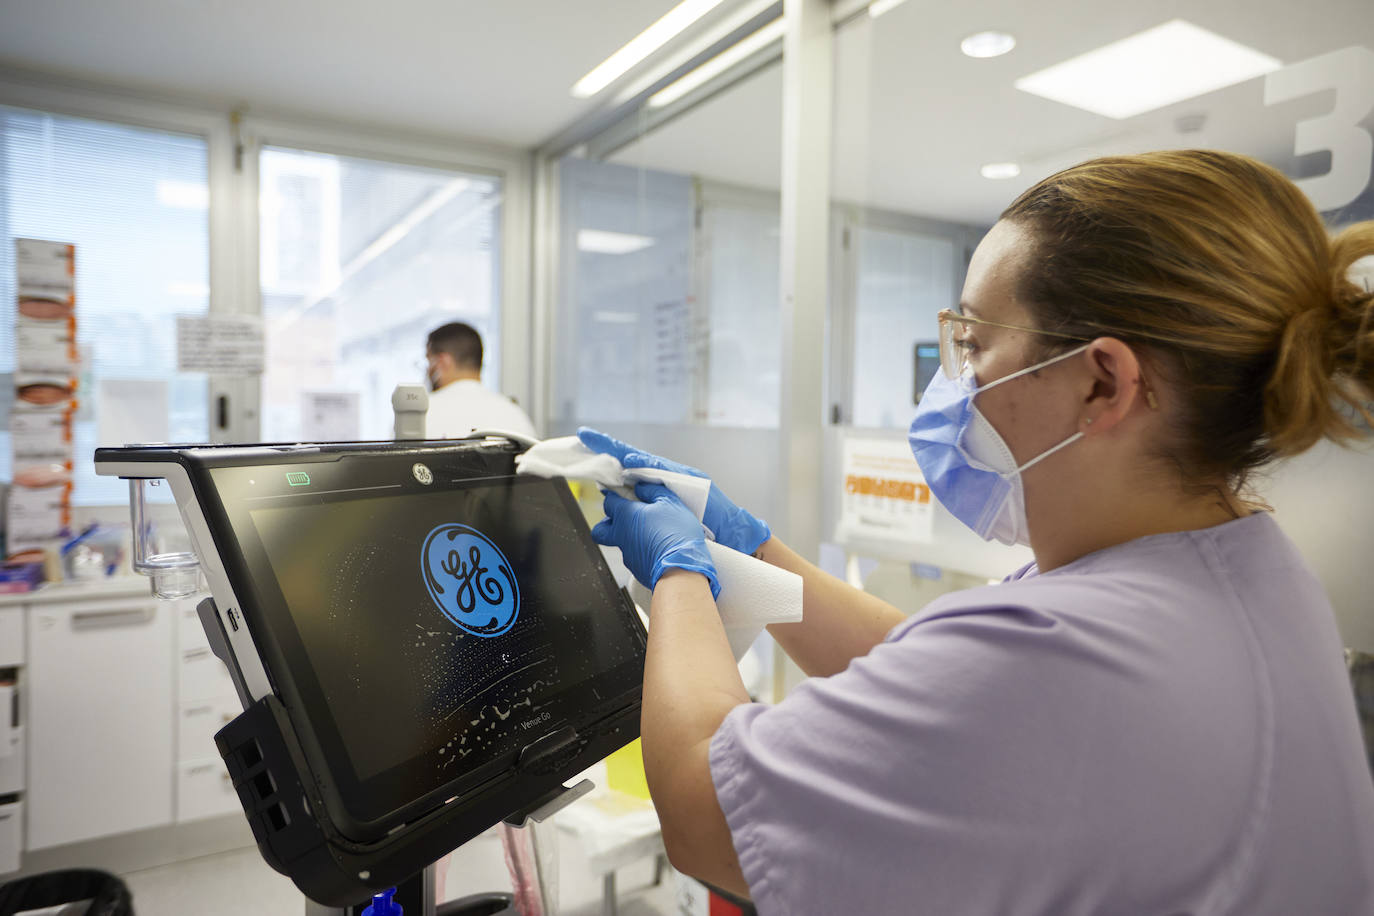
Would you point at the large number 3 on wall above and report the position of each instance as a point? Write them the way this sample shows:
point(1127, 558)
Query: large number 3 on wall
point(1349, 71)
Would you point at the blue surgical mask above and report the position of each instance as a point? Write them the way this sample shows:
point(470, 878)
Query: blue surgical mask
point(966, 464)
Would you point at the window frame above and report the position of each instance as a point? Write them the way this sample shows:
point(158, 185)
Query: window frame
point(232, 146)
point(511, 167)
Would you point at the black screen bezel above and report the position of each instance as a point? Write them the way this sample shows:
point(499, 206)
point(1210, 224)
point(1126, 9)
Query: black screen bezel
point(368, 809)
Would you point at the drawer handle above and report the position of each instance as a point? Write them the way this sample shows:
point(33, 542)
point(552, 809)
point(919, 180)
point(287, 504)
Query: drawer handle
point(191, 654)
point(91, 620)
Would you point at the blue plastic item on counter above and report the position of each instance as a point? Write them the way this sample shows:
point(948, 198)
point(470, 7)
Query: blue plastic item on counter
point(383, 905)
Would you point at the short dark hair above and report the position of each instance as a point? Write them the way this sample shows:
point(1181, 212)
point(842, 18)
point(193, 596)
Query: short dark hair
point(460, 341)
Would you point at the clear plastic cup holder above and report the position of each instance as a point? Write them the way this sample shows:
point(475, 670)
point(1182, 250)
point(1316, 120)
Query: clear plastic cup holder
point(174, 573)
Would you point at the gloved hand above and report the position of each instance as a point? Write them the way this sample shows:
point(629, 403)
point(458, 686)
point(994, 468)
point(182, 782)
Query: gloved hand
point(732, 526)
point(655, 534)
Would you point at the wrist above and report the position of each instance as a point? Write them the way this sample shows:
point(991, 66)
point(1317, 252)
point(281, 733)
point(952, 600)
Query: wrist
point(687, 579)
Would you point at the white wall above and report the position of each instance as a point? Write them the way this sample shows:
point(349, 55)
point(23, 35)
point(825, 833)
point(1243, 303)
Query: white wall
point(1324, 500)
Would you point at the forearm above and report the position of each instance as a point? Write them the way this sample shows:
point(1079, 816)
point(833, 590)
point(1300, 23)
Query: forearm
point(839, 622)
point(690, 683)
point(690, 677)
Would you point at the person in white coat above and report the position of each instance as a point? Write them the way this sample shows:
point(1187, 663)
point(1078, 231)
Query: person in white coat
point(458, 403)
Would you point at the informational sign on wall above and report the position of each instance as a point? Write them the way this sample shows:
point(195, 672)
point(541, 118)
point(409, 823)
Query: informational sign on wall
point(225, 344)
point(884, 496)
point(330, 416)
point(46, 368)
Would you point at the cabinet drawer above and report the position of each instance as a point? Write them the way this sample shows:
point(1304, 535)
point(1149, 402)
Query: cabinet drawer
point(9, 837)
point(190, 634)
point(202, 676)
point(11, 760)
point(204, 790)
point(11, 637)
point(198, 723)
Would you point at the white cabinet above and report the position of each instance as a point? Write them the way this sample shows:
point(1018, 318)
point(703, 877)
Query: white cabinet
point(10, 819)
point(204, 790)
point(100, 724)
point(11, 637)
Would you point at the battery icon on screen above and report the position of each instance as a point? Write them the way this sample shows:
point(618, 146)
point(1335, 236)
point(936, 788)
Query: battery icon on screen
point(298, 479)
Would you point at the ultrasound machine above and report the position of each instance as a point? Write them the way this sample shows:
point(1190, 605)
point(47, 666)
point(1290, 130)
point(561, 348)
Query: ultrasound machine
point(425, 644)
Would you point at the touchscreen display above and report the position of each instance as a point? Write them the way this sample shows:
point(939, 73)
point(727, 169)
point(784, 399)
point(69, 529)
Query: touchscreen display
point(444, 623)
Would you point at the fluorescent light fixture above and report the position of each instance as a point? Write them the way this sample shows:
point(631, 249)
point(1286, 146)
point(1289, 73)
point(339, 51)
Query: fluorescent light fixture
point(1148, 70)
point(673, 23)
point(878, 7)
point(597, 241)
point(615, 317)
point(184, 195)
point(987, 44)
point(1000, 170)
point(718, 64)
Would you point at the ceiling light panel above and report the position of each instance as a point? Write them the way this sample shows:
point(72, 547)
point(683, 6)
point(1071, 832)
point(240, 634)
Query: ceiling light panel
point(1000, 170)
point(987, 44)
point(674, 22)
point(598, 241)
point(717, 65)
point(1149, 70)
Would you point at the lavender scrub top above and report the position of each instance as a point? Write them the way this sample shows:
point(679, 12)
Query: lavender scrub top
point(1162, 728)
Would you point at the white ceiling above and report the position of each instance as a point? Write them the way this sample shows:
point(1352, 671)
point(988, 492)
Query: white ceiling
point(496, 70)
point(914, 118)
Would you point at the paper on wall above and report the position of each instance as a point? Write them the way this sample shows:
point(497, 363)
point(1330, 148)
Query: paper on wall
point(330, 416)
point(225, 344)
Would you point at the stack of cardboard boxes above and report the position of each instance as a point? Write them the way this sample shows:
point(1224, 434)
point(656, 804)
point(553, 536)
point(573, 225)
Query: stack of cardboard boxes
point(45, 378)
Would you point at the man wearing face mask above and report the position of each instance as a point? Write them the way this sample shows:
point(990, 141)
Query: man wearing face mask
point(1152, 717)
point(458, 403)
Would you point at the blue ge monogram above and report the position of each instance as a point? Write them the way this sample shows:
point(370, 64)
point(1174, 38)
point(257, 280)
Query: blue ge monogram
point(469, 579)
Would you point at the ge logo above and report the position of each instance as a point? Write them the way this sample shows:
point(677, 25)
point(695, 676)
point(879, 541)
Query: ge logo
point(422, 474)
point(470, 581)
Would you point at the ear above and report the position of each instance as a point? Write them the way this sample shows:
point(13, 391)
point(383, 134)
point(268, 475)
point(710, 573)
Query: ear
point(1117, 386)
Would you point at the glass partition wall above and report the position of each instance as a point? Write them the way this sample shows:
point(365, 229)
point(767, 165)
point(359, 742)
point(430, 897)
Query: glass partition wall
point(665, 324)
point(943, 114)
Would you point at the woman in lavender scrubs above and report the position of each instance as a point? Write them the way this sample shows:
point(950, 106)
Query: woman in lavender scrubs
point(1153, 717)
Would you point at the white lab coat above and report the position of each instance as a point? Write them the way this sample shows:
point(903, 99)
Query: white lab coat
point(462, 406)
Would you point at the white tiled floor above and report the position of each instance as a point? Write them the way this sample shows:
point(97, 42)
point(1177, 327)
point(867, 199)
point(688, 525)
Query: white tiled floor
point(239, 882)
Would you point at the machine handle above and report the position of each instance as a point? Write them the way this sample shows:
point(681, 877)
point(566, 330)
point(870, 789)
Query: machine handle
point(90, 620)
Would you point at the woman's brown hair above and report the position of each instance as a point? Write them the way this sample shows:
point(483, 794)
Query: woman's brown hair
point(1221, 270)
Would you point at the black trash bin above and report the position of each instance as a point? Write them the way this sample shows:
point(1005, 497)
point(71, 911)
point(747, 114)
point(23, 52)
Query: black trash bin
point(109, 896)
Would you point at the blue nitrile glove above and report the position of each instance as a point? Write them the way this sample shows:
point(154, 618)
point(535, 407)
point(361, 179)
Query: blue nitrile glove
point(655, 534)
point(732, 526)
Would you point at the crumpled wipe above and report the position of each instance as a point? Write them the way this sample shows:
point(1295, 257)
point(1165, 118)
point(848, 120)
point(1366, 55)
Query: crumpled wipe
point(753, 593)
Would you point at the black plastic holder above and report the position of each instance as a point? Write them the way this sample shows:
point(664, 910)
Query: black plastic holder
point(297, 837)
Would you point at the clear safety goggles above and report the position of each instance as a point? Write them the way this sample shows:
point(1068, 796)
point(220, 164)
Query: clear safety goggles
point(954, 348)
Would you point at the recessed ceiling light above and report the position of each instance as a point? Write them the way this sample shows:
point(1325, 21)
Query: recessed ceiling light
point(598, 241)
point(878, 7)
point(1000, 170)
point(718, 64)
point(673, 23)
point(987, 44)
point(1148, 70)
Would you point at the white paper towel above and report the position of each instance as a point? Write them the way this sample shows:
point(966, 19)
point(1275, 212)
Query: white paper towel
point(566, 456)
point(753, 593)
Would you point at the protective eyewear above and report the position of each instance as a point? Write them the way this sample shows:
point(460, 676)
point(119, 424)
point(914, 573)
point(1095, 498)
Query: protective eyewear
point(954, 348)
